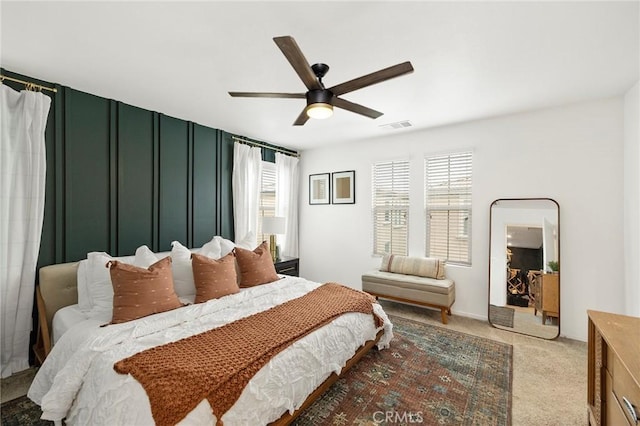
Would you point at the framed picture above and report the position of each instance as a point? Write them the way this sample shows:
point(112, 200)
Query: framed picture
point(319, 189)
point(344, 184)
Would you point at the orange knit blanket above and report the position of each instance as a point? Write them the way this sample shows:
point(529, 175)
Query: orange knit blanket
point(218, 363)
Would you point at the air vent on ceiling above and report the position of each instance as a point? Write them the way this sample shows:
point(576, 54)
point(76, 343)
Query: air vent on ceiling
point(397, 125)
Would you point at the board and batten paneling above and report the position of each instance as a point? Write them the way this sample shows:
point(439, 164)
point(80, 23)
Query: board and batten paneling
point(205, 181)
point(120, 176)
point(86, 178)
point(148, 197)
point(225, 173)
point(136, 188)
point(174, 183)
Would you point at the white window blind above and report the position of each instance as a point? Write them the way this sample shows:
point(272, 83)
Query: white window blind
point(390, 207)
point(448, 207)
point(267, 206)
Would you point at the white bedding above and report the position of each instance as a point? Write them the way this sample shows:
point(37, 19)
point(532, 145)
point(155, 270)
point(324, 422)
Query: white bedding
point(64, 319)
point(77, 380)
point(69, 316)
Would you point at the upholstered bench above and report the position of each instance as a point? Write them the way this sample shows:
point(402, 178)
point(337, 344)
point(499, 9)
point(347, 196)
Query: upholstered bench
point(416, 280)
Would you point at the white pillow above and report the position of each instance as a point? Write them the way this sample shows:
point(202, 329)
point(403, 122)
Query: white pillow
point(183, 282)
point(145, 257)
point(227, 246)
point(211, 249)
point(93, 273)
point(84, 302)
point(95, 291)
point(181, 268)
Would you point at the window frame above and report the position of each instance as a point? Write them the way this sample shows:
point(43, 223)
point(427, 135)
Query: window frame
point(398, 209)
point(462, 166)
point(268, 168)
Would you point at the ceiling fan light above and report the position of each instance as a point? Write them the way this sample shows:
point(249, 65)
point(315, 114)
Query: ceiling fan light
point(320, 110)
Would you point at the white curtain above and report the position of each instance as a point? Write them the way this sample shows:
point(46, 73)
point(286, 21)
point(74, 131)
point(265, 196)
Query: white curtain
point(287, 184)
point(23, 118)
point(247, 175)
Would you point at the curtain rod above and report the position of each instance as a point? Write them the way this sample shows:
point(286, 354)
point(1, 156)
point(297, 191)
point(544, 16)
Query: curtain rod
point(248, 142)
point(29, 85)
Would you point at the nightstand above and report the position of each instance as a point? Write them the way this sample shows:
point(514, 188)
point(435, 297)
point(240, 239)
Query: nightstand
point(288, 266)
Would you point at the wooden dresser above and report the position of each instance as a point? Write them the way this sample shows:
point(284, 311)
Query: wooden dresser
point(613, 392)
point(546, 292)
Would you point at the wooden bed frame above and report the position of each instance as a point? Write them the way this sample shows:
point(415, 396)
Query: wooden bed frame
point(58, 287)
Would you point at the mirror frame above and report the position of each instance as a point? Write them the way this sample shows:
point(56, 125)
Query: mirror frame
point(559, 265)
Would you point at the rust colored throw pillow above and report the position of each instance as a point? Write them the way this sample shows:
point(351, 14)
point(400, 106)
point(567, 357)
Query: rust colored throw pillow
point(138, 292)
point(214, 278)
point(256, 267)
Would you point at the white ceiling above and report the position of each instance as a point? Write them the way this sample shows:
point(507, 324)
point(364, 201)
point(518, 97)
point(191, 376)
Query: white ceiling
point(472, 60)
point(524, 237)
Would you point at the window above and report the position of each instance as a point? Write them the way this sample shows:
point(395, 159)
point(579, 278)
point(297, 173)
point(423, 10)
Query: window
point(448, 207)
point(267, 206)
point(390, 207)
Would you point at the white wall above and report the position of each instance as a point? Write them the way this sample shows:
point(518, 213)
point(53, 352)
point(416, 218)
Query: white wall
point(632, 201)
point(572, 154)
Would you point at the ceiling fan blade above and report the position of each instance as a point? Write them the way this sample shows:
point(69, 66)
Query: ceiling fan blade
point(302, 118)
point(294, 55)
point(267, 95)
point(373, 78)
point(353, 107)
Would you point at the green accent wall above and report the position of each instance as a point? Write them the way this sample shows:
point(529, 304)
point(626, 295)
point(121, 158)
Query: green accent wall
point(136, 179)
point(119, 176)
point(205, 183)
point(85, 173)
point(175, 187)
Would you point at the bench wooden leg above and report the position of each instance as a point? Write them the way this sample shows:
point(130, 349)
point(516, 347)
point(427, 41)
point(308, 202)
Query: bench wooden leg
point(443, 314)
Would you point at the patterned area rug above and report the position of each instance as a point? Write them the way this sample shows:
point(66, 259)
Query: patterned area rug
point(501, 315)
point(430, 375)
point(21, 411)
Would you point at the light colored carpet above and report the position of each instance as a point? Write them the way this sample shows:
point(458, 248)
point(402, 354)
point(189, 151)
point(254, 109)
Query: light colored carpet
point(549, 376)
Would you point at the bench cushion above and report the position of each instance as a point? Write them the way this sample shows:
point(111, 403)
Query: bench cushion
point(410, 287)
point(420, 266)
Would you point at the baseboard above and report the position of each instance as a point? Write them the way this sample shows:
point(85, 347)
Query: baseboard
point(469, 315)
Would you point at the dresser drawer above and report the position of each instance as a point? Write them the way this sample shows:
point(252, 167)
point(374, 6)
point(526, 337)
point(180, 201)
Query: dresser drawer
point(613, 373)
point(615, 413)
point(625, 387)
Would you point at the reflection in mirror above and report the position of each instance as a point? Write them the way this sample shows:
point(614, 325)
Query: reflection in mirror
point(524, 276)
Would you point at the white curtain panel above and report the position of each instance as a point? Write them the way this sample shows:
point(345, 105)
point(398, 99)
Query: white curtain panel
point(23, 117)
point(247, 175)
point(287, 185)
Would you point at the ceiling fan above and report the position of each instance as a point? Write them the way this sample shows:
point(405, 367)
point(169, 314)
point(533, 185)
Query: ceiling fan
point(320, 100)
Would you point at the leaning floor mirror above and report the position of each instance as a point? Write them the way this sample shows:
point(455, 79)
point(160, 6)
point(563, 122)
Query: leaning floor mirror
point(524, 266)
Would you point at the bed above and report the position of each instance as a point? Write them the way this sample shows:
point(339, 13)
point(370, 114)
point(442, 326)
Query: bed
point(77, 381)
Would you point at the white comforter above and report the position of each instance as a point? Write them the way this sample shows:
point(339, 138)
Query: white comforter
point(77, 380)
